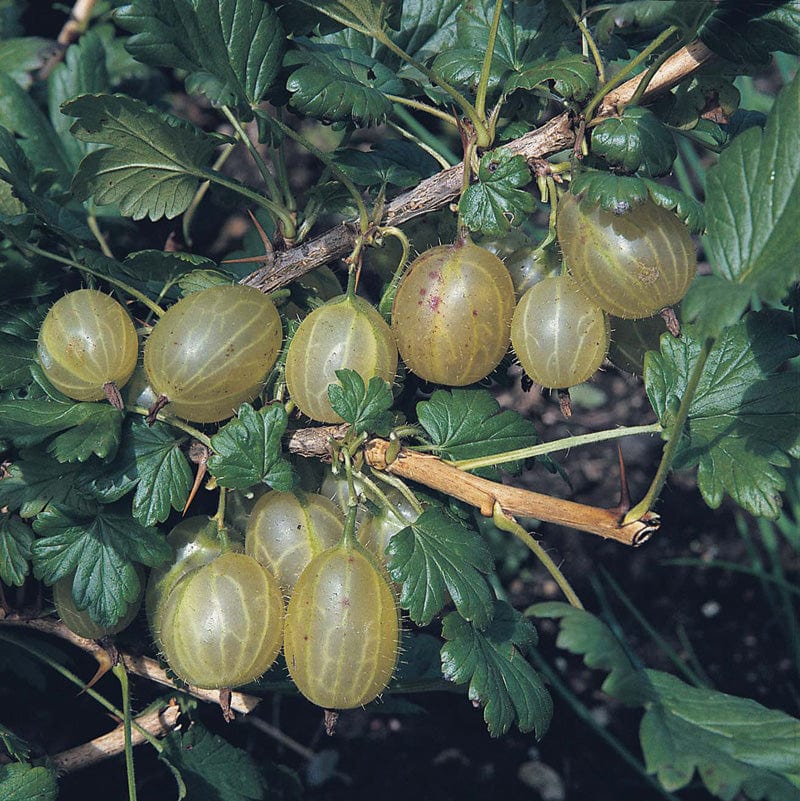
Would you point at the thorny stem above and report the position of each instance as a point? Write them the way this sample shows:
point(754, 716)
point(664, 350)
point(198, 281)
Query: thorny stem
point(628, 69)
point(486, 67)
point(507, 523)
point(675, 435)
point(202, 190)
point(588, 40)
point(558, 445)
point(122, 676)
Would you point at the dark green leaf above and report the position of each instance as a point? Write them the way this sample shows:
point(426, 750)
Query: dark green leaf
point(437, 554)
point(212, 769)
point(735, 744)
point(635, 142)
point(16, 356)
point(362, 15)
point(687, 208)
point(584, 634)
point(22, 782)
point(101, 550)
point(198, 280)
point(421, 661)
point(150, 460)
point(642, 15)
point(713, 302)
point(495, 202)
point(500, 678)
point(468, 423)
point(20, 57)
point(427, 28)
point(247, 450)
point(153, 163)
point(753, 203)
point(231, 49)
point(91, 428)
point(388, 162)
point(744, 421)
point(574, 77)
point(15, 550)
point(365, 408)
point(35, 481)
point(617, 193)
point(336, 83)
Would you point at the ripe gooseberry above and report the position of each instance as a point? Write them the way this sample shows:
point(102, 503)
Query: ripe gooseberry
point(286, 530)
point(87, 344)
point(378, 529)
point(222, 623)
point(342, 631)
point(345, 333)
point(559, 335)
point(631, 265)
point(452, 314)
point(212, 350)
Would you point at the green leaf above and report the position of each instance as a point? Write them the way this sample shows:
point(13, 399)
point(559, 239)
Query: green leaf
point(247, 450)
point(153, 163)
point(15, 550)
point(16, 356)
point(753, 203)
point(389, 161)
point(198, 280)
point(90, 428)
point(212, 769)
point(35, 481)
point(573, 76)
point(500, 678)
point(735, 744)
point(337, 83)
point(437, 554)
point(582, 633)
point(690, 211)
point(362, 15)
point(365, 408)
point(231, 49)
point(468, 423)
point(712, 303)
point(617, 193)
point(495, 202)
point(151, 461)
point(635, 142)
point(634, 18)
point(23, 782)
point(101, 550)
point(744, 420)
point(20, 57)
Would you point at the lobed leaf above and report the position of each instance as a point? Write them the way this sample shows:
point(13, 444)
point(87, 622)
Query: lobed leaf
point(690, 211)
point(247, 450)
point(743, 421)
point(20, 781)
point(389, 161)
point(580, 632)
point(15, 550)
point(101, 550)
point(231, 49)
point(495, 202)
point(617, 193)
point(500, 678)
point(366, 408)
point(436, 555)
point(153, 163)
point(469, 423)
point(573, 77)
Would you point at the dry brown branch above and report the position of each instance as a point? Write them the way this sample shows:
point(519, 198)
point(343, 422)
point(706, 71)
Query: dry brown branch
point(437, 191)
point(158, 723)
point(433, 472)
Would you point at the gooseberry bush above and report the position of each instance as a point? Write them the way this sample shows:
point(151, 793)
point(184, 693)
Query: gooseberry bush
point(291, 447)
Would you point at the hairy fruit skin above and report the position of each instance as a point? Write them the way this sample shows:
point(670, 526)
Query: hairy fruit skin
point(286, 530)
point(342, 632)
point(559, 336)
point(452, 314)
point(212, 350)
point(87, 340)
point(632, 265)
point(222, 624)
point(345, 333)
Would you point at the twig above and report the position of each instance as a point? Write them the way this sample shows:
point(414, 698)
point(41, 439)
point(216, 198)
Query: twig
point(437, 191)
point(158, 723)
point(73, 28)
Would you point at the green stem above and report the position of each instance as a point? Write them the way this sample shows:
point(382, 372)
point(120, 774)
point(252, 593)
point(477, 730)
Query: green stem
point(349, 533)
point(505, 523)
point(641, 87)
point(433, 141)
point(420, 106)
point(588, 40)
point(91, 221)
point(134, 293)
point(558, 445)
point(219, 519)
point(202, 190)
point(402, 488)
point(122, 676)
point(387, 299)
point(175, 422)
point(628, 69)
point(282, 174)
point(71, 677)
point(675, 434)
point(486, 67)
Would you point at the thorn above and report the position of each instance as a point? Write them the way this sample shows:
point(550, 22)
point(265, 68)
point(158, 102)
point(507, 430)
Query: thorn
point(106, 656)
point(565, 402)
point(198, 453)
point(269, 252)
point(624, 495)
